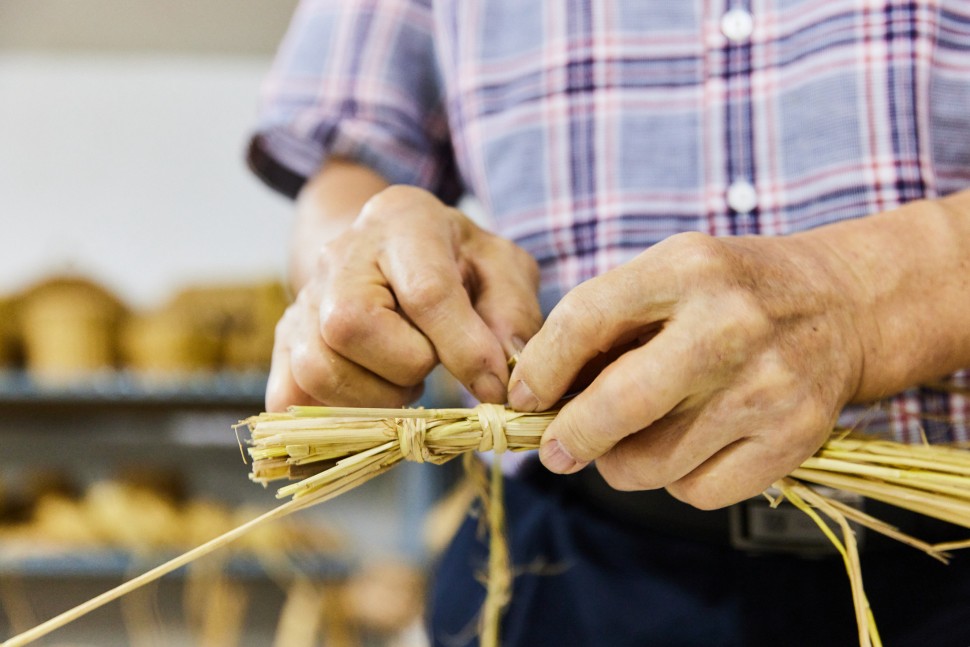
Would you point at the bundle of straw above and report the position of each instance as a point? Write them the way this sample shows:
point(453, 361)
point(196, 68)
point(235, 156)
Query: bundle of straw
point(327, 446)
point(332, 450)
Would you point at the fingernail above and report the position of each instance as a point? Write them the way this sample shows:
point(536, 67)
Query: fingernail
point(557, 459)
point(522, 398)
point(517, 343)
point(488, 387)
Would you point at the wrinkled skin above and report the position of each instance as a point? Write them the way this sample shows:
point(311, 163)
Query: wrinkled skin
point(744, 353)
point(708, 366)
point(410, 283)
point(745, 350)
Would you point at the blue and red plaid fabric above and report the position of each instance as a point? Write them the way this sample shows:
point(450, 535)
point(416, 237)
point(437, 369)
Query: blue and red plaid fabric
point(592, 130)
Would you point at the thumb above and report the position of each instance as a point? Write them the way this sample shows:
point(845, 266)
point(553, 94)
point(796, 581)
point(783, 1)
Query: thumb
point(569, 443)
point(629, 395)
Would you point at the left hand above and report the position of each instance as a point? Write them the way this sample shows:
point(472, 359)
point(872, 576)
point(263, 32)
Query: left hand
point(744, 351)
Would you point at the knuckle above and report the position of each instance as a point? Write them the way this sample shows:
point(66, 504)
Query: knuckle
point(315, 377)
point(697, 253)
point(425, 292)
point(744, 316)
point(413, 373)
point(305, 307)
point(810, 424)
point(305, 366)
point(280, 389)
point(282, 329)
point(699, 493)
point(341, 325)
point(627, 473)
point(276, 401)
point(773, 386)
point(735, 337)
point(385, 204)
point(279, 400)
point(420, 369)
point(579, 316)
point(737, 334)
point(622, 476)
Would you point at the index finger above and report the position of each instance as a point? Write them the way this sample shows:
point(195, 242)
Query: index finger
point(592, 319)
point(425, 277)
point(632, 393)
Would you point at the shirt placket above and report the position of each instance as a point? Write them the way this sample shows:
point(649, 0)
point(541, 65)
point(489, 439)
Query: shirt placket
point(733, 197)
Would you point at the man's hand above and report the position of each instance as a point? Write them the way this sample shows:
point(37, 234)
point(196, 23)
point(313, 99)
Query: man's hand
point(743, 353)
point(409, 283)
point(744, 350)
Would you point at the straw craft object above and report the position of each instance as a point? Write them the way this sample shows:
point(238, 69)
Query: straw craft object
point(331, 450)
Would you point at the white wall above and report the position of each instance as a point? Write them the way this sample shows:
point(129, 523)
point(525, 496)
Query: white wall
point(129, 168)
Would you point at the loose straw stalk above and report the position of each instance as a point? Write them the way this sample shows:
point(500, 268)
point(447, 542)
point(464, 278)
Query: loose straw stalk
point(332, 450)
point(57, 622)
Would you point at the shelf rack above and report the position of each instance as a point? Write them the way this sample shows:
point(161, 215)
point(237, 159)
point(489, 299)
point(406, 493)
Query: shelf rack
point(118, 563)
point(125, 389)
point(185, 422)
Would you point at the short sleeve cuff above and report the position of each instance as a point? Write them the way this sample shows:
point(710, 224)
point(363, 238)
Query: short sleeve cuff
point(285, 160)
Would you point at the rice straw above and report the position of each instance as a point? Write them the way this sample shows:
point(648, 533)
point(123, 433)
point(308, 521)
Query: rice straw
point(805, 499)
point(349, 446)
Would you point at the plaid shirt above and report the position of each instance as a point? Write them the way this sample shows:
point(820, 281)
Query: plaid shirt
point(592, 130)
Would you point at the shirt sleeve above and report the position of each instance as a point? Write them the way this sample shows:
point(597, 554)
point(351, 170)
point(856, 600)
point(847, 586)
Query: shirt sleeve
point(359, 80)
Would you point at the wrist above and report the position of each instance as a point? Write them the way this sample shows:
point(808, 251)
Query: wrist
point(844, 296)
point(850, 298)
point(904, 275)
point(328, 204)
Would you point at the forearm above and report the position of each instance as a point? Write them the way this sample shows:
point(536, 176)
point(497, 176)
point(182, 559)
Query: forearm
point(910, 273)
point(326, 206)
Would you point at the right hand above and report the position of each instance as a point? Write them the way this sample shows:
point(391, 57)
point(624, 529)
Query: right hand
point(410, 283)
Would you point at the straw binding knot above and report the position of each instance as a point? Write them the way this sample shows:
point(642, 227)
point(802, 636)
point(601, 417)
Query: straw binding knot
point(411, 433)
point(491, 418)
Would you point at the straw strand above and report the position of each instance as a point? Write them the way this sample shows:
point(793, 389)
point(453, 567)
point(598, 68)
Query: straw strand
point(331, 450)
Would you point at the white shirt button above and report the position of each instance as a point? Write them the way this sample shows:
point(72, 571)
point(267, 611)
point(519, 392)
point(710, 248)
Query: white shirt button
point(737, 24)
point(742, 197)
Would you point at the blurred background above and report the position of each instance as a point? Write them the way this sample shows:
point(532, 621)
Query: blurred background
point(122, 130)
point(141, 275)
